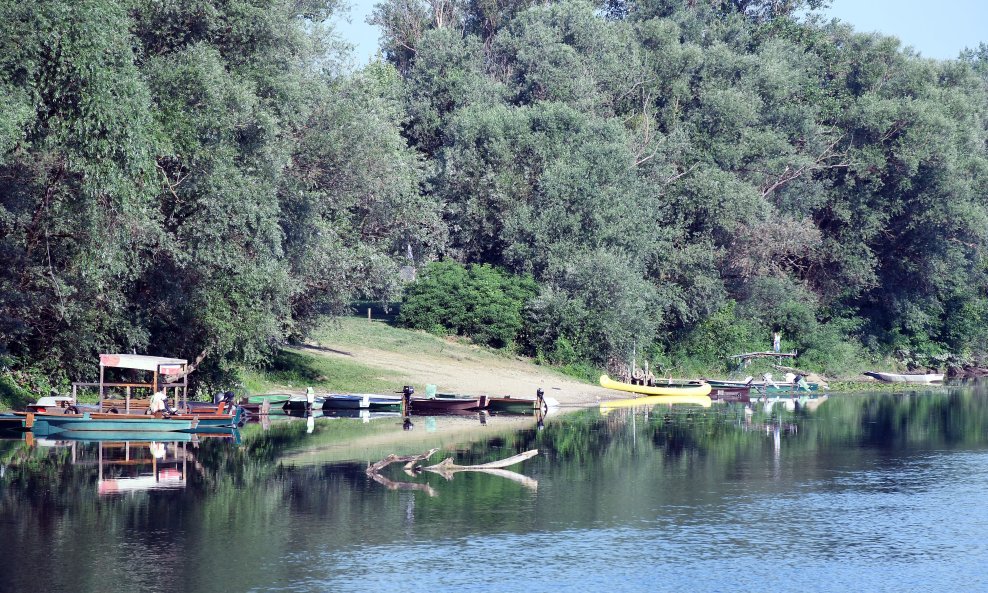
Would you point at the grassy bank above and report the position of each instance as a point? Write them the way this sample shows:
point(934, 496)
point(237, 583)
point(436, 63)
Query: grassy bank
point(296, 368)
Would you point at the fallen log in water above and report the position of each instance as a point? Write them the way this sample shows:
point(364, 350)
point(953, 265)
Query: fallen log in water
point(447, 469)
point(447, 464)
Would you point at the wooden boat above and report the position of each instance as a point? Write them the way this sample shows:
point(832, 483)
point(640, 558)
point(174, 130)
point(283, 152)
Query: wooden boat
point(49, 424)
point(905, 378)
point(356, 401)
point(209, 422)
point(439, 404)
point(701, 389)
point(653, 400)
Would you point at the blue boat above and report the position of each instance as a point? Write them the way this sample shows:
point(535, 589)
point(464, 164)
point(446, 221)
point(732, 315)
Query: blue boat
point(356, 401)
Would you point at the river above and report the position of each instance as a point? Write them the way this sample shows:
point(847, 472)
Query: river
point(864, 492)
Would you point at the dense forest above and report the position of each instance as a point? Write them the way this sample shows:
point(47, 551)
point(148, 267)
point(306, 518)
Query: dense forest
point(574, 181)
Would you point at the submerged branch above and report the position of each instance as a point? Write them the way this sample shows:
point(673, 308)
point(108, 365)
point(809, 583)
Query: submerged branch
point(408, 460)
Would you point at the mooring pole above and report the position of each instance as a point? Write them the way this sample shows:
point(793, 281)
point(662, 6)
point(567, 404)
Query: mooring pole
point(406, 400)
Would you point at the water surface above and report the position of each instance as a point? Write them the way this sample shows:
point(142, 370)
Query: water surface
point(872, 492)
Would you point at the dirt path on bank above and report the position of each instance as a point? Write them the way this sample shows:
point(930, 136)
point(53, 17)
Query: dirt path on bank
point(463, 369)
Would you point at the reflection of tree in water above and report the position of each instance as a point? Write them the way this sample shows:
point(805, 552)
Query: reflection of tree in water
point(675, 434)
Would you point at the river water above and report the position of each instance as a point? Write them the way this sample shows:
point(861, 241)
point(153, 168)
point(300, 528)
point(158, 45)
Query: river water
point(863, 492)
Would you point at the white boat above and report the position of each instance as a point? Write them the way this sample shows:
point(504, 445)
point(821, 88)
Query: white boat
point(903, 378)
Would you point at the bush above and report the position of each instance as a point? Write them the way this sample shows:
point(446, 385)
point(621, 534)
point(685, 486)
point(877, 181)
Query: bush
point(595, 308)
point(477, 301)
point(833, 350)
point(708, 346)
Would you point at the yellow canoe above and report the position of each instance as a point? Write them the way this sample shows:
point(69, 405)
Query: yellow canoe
point(654, 400)
point(609, 383)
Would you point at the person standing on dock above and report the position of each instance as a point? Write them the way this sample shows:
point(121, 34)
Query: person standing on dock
point(776, 341)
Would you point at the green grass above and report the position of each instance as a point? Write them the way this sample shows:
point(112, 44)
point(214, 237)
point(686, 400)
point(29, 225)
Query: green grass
point(294, 370)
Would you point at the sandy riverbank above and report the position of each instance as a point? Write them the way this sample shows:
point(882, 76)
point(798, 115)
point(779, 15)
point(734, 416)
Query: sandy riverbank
point(464, 369)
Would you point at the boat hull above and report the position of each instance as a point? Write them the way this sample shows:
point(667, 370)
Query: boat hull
point(422, 405)
point(609, 383)
point(900, 378)
point(361, 401)
point(48, 425)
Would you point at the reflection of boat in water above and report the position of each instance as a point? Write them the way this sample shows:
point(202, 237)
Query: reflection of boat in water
point(906, 378)
point(668, 390)
point(165, 478)
point(123, 437)
point(138, 466)
point(654, 400)
point(793, 403)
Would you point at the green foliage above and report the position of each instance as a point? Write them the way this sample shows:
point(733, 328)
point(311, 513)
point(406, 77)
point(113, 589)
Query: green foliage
point(832, 349)
point(477, 301)
point(190, 178)
point(710, 344)
point(593, 309)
